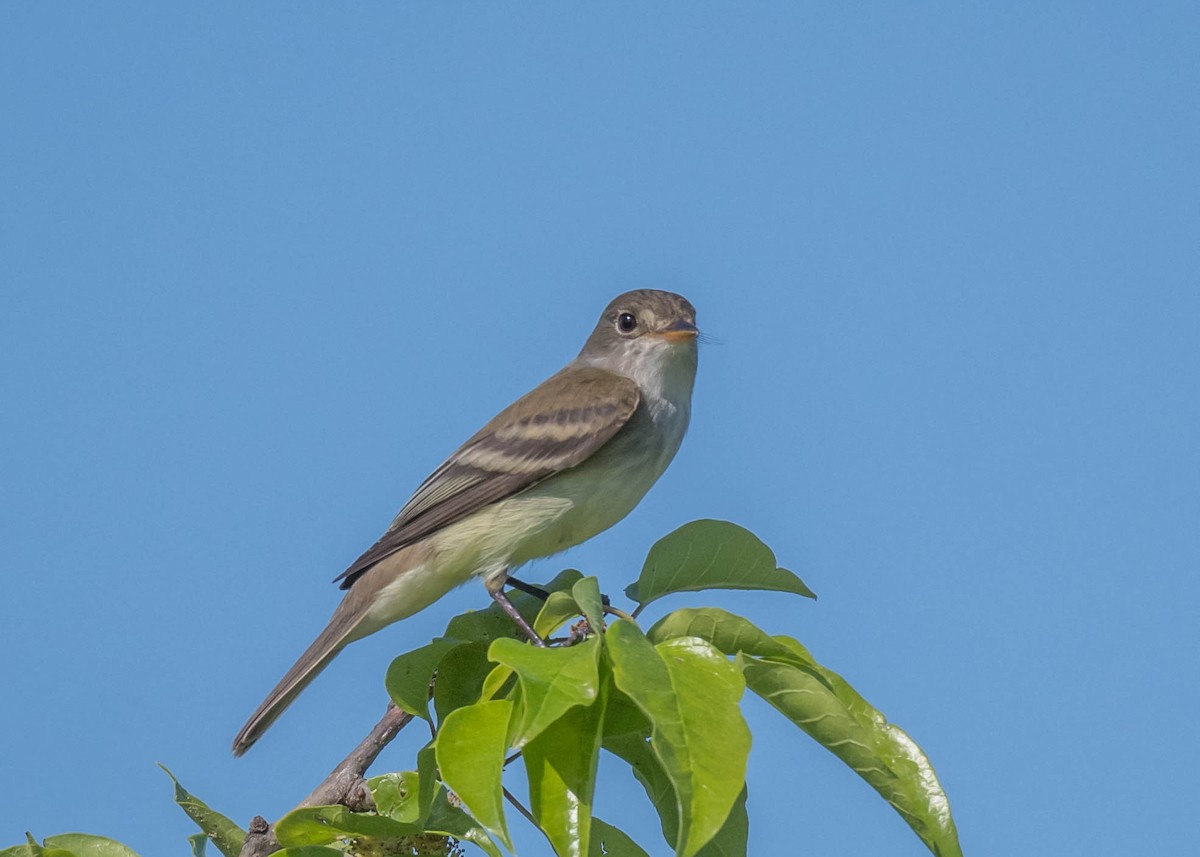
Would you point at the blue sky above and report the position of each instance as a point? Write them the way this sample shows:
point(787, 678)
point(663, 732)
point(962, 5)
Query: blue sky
point(264, 267)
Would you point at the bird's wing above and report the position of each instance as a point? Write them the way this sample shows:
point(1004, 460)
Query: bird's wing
point(555, 426)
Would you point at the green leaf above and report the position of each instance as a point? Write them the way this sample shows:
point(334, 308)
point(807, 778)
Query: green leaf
point(310, 851)
point(821, 703)
point(326, 825)
point(449, 820)
point(559, 607)
point(731, 839)
point(470, 754)
point(552, 680)
point(690, 693)
point(222, 832)
point(587, 596)
point(199, 843)
point(710, 554)
point(493, 623)
point(25, 850)
point(727, 631)
point(608, 841)
point(397, 796)
point(461, 675)
point(86, 845)
point(409, 675)
point(561, 766)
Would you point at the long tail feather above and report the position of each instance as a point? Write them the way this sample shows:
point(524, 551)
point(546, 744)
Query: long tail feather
point(315, 658)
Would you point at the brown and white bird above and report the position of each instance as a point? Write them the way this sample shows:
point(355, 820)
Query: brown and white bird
point(562, 463)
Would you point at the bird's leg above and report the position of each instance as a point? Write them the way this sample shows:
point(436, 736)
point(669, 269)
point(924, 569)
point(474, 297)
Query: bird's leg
point(528, 588)
point(495, 587)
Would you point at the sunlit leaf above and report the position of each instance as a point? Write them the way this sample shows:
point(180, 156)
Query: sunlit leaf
point(221, 831)
point(711, 554)
point(561, 766)
point(552, 680)
point(493, 623)
point(470, 754)
point(325, 825)
point(727, 632)
point(559, 607)
point(821, 703)
point(689, 692)
point(85, 845)
point(587, 596)
point(397, 796)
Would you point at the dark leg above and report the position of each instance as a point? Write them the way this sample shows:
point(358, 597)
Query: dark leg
point(496, 589)
point(528, 588)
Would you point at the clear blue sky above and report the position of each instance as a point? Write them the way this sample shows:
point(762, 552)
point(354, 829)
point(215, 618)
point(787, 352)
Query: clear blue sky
point(263, 267)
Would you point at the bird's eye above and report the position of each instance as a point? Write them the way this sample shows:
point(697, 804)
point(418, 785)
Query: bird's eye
point(626, 322)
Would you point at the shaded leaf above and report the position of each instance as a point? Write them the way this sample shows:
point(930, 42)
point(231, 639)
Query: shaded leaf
point(409, 675)
point(561, 766)
point(461, 675)
point(221, 831)
point(450, 820)
point(470, 754)
point(689, 692)
point(552, 680)
point(711, 554)
point(310, 851)
point(824, 705)
point(609, 841)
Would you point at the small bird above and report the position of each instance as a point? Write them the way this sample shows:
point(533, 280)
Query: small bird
point(562, 463)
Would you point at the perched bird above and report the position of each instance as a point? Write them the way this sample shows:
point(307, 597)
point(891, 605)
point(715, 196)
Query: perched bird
point(562, 463)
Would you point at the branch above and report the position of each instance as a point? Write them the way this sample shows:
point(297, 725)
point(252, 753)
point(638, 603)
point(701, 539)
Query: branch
point(344, 785)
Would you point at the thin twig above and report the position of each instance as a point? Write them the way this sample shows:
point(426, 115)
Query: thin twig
point(521, 809)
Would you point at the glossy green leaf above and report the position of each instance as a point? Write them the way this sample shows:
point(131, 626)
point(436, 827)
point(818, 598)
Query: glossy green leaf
point(410, 674)
point(552, 680)
point(587, 596)
point(689, 692)
point(609, 841)
point(461, 675)
point(326, 825)
point(711, 554)
point(397, 796)
point(85, 845)
point(727, 632)
point(221, 831)
point(731, 839)
point(561, 766)
point(821, 703)
point(471, 746)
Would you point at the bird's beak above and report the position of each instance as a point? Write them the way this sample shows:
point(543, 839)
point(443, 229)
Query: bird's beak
point(679, 331)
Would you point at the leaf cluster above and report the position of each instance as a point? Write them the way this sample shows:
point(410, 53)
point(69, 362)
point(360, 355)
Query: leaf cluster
point(665, 700)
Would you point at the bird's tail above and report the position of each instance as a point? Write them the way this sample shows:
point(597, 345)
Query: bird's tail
point(316, 657)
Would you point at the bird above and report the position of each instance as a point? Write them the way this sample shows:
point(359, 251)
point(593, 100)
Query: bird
point(562, 463)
